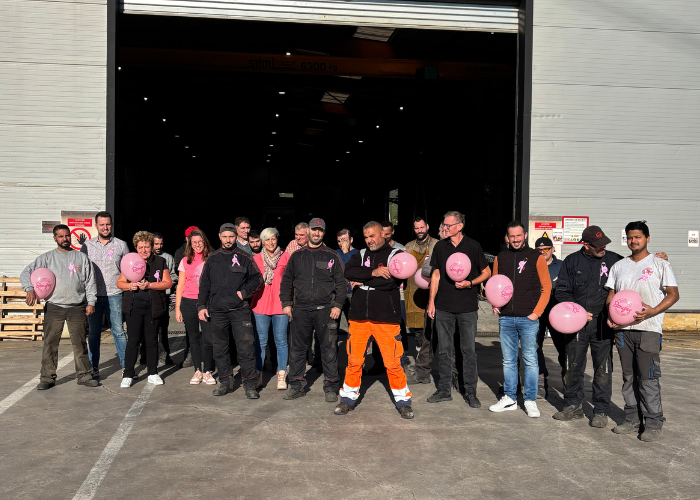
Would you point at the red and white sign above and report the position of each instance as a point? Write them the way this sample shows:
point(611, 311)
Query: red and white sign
point(545, 226)
point(72, 222)
point(81, 225)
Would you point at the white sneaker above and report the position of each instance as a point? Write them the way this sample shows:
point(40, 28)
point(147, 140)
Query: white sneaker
point(155, 380)
point(126, 382)
point(531, 409)
point(505, 404)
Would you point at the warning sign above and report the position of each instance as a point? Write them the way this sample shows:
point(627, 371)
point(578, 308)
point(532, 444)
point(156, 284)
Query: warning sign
point(543, 226)
point(573, 229)
point(81, 225)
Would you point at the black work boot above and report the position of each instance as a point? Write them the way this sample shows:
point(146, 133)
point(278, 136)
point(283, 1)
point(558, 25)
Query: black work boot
point(650, 435)
point(225, 386)
point(569, 413)
point(472, 400)
point(42, 386)
point(406, 412)
point(439, 397)
point(294, 394)
point(599, 420)
point(626, 427)
point(331, 397)
point(91, 382)
point(343, 409)
point(414, 378)
point(455, 382)
point(252, 393)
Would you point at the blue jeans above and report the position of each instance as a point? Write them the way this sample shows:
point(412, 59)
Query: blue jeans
point(112, 305)
point(279, 330)
point(513, 329)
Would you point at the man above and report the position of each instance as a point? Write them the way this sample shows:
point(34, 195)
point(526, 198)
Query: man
point(639, 344)
point(72, 301)
point(301, 238)
point(345, 251)
point(519, 318)
point(313, 293)
point(105, 253)
point(545, 246)
point(229, 279)
point(374, 314)
point(254, 242)
point(388, 235)
point(164, 323)
point(179, 254)
point(454, 303)
point(242, 229)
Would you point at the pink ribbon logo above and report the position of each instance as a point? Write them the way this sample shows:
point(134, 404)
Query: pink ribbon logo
point(72, 268)
point(603, 269)
point(156, 275)
point(646, 274)
point(521, 265)
point(235, 262)
point(110, 253)
point(367, 264)
point(330, 264)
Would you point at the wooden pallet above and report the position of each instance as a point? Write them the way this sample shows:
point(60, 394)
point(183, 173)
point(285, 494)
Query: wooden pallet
point(17, 319)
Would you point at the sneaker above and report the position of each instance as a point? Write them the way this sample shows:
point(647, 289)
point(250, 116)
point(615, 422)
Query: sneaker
point(650, 435)
point(223, 389)
point(155, 380)
point(293, 394)
point(331, 397)
point(599, 420)
point(343, 409)
point(91, 382)
point(569, 413)
point(281, 380)
point(439, 397)
point(626, 427)
point(406, 412)
point(42, 386)
point(208, 379)
point(416, 379)
point(251, 393)
point(126, 382)
point(196, 378)
point(187, 361)
point(531, 409)
point(472, 400)
point(504, 404)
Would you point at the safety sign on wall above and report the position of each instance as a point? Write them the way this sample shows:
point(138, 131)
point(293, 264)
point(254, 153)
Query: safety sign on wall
point(694, 239)
point(544, 226)
point(573, 229)
point(81, 225)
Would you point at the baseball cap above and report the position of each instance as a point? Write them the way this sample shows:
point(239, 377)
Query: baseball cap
point(594, 235)
point(316, 222)
point(543, 242)
point(227, 226)
point(189, 230)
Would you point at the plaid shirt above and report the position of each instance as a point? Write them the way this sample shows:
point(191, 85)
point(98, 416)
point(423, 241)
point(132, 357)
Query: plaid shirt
point(293, 247)
point(106, 260)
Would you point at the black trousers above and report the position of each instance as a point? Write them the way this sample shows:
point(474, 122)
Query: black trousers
point(641, 368)
point(201, 342)
point(600, 340)
point(163, 326)
point(302, 326)
point(239, 322)
point(427, 343)
point(465, 325)
point(141, 327)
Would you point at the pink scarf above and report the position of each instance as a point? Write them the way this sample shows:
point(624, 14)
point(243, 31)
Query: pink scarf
point(270, 264)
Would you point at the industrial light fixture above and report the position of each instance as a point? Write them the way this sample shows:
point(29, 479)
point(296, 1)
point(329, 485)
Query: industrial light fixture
point(119, 68)
point(177, 136)
point(401, 108)
point(289, 53)
point(163, 119)
point(145, 98)
point(194, 157)
point(274, 133)
point(187, 147)
point(282, 92)
point(335, 97)
point(268, 161)
point(376, 34)
point(277, 116)
point(272, 145)
point(348, 152)
point(269, 154)
point(286, 195)
point(377, 126)
point(360, 142)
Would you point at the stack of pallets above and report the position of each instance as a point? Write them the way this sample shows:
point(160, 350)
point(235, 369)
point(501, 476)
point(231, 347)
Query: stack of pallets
point(17, 319)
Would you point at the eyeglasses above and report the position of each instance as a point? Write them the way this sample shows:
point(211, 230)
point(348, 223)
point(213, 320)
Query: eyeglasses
point(447, 226)
point(545, 250)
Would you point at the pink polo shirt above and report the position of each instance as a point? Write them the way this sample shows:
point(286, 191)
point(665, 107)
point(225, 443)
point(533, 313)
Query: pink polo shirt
point(267, 300)
point(191, 275)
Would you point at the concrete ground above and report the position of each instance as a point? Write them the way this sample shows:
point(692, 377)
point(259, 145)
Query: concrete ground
point(178, 441)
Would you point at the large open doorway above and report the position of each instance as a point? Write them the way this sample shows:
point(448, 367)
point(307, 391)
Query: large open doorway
point(210, 128)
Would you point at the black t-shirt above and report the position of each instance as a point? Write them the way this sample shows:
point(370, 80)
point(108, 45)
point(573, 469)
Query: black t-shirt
point(449, 298)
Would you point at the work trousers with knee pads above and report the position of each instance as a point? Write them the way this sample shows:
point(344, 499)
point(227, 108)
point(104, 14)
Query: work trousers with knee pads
point(302, 326)
point(240, 323)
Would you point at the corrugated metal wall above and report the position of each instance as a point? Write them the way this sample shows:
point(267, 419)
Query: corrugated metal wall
point(52, 119)
point(616, 122)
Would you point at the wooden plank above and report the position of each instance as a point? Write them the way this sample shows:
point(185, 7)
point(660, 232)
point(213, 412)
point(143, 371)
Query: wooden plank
point(14, 291)
point(21, 321)
point(6, 279)
point(20, 306)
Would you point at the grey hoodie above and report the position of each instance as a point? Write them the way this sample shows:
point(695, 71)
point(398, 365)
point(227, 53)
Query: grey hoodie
point(75, 281)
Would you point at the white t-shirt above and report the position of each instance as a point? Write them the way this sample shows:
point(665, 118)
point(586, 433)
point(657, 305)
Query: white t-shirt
point(649, 278)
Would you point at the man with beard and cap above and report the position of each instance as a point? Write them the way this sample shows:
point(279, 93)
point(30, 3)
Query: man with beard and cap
point(374, 313)
point(313, 293)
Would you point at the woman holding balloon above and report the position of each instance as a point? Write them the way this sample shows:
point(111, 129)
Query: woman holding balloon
point(197, 251)
point(144, 279)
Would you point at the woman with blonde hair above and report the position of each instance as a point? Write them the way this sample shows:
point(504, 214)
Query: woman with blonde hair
point(143, 304)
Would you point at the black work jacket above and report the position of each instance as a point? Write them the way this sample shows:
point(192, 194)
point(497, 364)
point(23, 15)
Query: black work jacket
point(379, 298)
point(313, 279)
point(154, 264)
point(225, 273)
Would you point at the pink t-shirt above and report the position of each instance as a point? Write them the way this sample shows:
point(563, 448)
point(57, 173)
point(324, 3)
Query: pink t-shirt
point(267, 300)
point(192, 272)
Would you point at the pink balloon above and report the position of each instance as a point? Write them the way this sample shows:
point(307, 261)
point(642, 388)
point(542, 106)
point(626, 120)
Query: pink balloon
point(133, 267)
point(568, 317)
point(458, 266)
point(624, 305)
point(421, 281)
point(44, 281)
point(403, 265)
point(499, 290)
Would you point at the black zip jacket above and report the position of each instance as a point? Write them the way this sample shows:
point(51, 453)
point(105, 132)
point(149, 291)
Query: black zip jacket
point(154, 264)
point(382, 303)
point(313, 279)
point(225, 273)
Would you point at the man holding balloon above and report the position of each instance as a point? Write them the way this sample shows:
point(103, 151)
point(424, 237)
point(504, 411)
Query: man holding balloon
point(64, 278)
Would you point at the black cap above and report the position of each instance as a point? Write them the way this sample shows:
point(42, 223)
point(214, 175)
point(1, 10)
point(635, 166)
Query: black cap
point(594, 236)
point(543, 242)
point(227, 227)
point(316, 222)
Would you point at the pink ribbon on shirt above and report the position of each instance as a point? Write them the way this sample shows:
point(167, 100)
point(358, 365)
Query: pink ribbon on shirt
point(156, 275)
point(235, 262)
point(110, 253)
point(72, 268)
point(330, 264)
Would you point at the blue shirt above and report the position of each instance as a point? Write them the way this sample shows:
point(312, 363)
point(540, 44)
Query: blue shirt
point(345, 257)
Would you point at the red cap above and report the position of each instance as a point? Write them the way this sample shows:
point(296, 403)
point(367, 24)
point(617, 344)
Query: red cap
point(189, 230)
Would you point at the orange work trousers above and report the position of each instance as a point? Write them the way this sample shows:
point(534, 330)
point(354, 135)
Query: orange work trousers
point(388, 337)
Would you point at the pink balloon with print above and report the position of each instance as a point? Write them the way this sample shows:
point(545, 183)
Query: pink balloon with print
point(198, 273)
point(403, 265)
point(624, 305)
point(499, 290)
point(44, 281)
point(568, 317)
point(458, 266)
point(133, 267)
point(421, 281)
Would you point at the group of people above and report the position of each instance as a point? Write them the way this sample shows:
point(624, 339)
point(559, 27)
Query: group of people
point(250, 285)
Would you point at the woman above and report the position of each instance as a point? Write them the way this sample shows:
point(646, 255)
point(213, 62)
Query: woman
point(143, 304)
point(266, 304)
point(197, 251)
